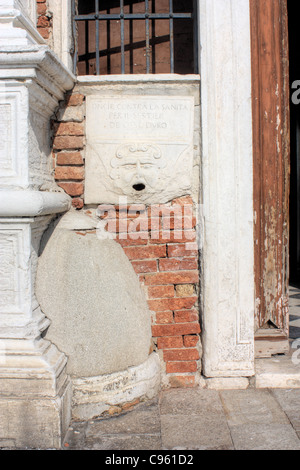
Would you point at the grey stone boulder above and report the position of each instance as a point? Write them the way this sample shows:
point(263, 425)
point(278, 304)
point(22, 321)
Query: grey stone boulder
point(90, 292)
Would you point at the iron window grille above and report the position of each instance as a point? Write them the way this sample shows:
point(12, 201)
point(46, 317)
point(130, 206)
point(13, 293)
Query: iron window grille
point(147, 17)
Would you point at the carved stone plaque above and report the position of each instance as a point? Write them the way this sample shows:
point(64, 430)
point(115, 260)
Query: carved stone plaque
point(140, 147)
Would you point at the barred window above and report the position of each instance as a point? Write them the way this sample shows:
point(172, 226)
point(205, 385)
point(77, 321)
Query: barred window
point(135, 36)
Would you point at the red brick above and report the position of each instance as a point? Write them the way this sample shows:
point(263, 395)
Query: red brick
point(69, 173)
point(110, 211)
point(155, 224)
point(44, 32)
point(165, 211)
point(113, 225)
point(41, 8)
point(68, 142)
point(69, 158)
point(75, 99)
point(181, 367)
point(140, 267)
point(176, 330)
point(138, 224)
point(178, 223)
point(139, 253)
point(135, 218)
point(171, 223)
point(169, 342)
point(161, 292)
point(173, 355)
point(190, 341)
point(175, 251)
point(77, 203)
point(107, 211)
point(124, 225)
point(180, 277)
point(68, 128)
point(132, 208)
point(73, 189)
point(182, 381)
point(161, 305)
point(186, 316)
point(183, 201)
point(43, 21)
point(137, 210)
point(163, 318)
point(172, 236)
point(173, 264)
point(129, 242)
point(142, 278)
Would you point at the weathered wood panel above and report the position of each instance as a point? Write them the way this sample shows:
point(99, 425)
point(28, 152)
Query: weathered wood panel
point(270, 82)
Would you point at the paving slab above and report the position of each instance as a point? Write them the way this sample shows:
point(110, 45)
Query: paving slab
point(190, 401)
point(289, 400)
point(252, 407)
point(257, 421)
point(265, 437)
point(195, 432)
point(194, 420)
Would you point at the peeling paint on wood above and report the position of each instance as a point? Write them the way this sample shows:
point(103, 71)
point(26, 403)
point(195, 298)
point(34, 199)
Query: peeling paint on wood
point(270, 83)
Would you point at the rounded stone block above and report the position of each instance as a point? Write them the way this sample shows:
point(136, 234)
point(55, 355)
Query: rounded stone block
point(90, 292)
point(95, 396)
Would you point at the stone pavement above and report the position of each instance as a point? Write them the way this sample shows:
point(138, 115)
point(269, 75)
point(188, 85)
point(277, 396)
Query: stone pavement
point(198, 419)
point(203, 419)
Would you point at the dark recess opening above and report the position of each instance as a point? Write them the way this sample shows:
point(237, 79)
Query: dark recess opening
point(135, 39)
point(294, 58)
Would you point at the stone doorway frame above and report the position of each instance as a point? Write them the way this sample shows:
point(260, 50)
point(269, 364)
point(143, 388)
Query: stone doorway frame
point(227, 182)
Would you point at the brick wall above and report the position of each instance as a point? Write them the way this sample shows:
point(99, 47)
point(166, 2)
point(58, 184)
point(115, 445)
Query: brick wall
point(68, 145)
point(167, 265)
point(44, 25)
point(165, 260)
